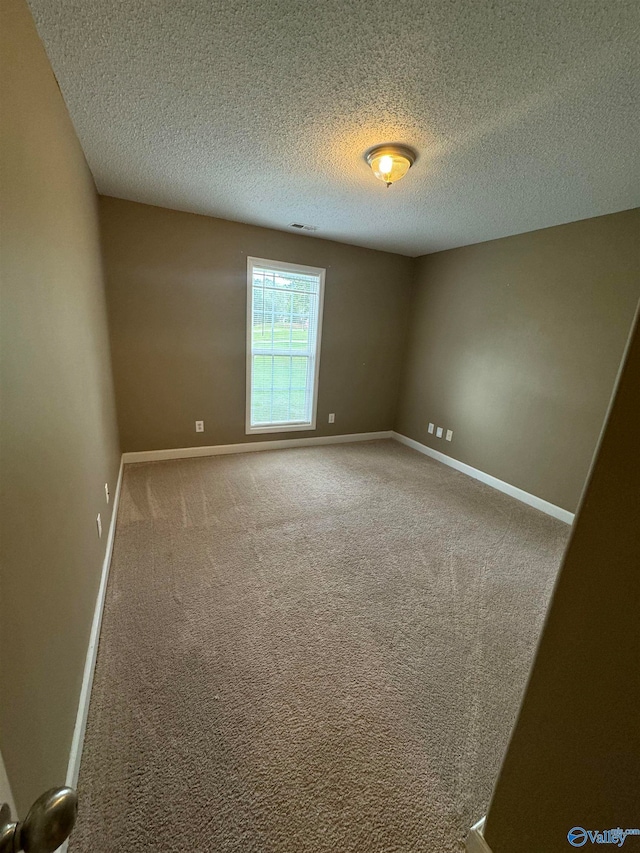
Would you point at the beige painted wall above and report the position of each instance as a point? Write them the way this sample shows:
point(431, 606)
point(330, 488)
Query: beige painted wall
point(58, 443)
point(176, 289)
point(574, 753)
point(515, 345)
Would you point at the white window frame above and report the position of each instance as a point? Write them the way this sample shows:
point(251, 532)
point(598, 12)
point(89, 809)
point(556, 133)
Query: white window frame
point(284, 267)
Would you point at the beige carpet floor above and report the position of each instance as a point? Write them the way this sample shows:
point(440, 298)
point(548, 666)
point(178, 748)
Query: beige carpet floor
point(316, 650)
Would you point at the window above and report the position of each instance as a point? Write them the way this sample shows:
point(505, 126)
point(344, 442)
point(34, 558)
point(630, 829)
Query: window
point(284, 321)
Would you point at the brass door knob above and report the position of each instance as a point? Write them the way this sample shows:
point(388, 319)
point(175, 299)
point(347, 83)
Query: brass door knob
point(7, 830)
point(48, 824)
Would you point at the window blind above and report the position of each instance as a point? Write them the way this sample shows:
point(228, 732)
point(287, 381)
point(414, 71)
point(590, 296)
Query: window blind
point(284, 329)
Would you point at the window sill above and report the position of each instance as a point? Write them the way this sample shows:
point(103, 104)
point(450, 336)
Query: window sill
point(279, 428)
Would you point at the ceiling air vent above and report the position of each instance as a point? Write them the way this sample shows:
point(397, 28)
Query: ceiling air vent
point(303, 227)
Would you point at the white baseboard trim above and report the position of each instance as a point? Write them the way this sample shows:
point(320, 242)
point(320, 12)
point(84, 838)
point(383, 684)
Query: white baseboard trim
point(500, 485)
point(475, 842)
point(249, 446)
point(75, 756)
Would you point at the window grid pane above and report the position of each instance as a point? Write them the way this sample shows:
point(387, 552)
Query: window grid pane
point(284, 335)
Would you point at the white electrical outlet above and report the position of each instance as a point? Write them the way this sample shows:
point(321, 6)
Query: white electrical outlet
point(199, 426)
point(439, 432)
point(431, 428)
point(99, 523)
point(106, 491)
point(332, 418)
point(449, 434)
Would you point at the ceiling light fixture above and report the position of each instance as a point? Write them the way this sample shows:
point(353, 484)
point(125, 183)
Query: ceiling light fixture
point(389, 163)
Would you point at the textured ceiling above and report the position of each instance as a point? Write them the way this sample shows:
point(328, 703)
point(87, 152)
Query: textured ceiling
point(524, 113)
